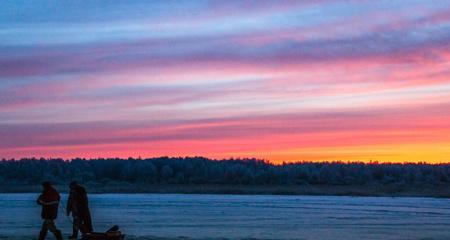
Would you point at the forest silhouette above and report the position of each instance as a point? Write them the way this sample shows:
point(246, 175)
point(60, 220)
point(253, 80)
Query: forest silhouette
point(199, 170)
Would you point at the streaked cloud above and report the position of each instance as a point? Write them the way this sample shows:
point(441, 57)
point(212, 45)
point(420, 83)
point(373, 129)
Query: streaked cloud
point(282, 80)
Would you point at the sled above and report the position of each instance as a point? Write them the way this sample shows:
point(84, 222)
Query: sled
point(112, 234)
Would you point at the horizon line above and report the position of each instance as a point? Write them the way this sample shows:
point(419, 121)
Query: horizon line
point(272, 162)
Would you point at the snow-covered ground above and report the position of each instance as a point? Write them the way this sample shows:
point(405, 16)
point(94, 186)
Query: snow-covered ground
point(169, 216)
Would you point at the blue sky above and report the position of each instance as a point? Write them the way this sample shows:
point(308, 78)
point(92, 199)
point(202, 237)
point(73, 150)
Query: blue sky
point(227, 78)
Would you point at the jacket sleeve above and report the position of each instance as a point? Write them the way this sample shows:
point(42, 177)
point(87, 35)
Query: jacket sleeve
point(69, 203)
point(85, 199)
point(39, 200)
point(44, 200)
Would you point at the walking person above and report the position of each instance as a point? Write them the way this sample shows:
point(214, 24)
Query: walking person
point(78, 205)
point(49, 200)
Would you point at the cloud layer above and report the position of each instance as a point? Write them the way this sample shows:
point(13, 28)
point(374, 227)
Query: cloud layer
point(280, 80)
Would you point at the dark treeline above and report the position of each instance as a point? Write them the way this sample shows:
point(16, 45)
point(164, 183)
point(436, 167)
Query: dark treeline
point(198, 170)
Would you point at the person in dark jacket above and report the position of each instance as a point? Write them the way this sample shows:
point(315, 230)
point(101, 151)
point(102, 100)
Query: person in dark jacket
point(78, 205)
point(49, 200)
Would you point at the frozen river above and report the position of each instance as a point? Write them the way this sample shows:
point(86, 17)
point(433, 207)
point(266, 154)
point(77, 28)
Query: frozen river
point(243, 216)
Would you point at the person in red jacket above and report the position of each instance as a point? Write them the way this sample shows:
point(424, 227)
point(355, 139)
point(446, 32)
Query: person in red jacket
point(49, 200)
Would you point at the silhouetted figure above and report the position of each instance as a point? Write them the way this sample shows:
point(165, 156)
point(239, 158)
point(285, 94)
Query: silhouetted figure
point(49, 200)
point(77, 204)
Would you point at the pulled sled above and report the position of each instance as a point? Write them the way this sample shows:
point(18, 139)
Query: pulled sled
point(112, 234)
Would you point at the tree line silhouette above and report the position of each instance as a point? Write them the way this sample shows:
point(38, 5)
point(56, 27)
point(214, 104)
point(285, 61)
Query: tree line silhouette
point(199, 170)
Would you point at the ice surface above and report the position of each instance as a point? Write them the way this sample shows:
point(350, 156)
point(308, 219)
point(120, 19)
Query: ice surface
point(184, 216)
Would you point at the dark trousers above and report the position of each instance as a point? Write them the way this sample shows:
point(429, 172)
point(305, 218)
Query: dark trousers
point(81, 224)
point(49, 225)
point(77, 226)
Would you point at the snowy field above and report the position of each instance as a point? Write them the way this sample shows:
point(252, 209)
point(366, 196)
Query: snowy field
point(178, 216)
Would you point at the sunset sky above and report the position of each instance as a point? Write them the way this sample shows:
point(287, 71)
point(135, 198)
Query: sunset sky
point(279, 80)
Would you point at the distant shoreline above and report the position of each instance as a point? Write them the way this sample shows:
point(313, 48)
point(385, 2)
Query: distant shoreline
point(442, 191)
point(198, 175)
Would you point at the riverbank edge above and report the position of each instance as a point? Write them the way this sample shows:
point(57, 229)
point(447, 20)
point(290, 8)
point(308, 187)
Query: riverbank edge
point(440, 191)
